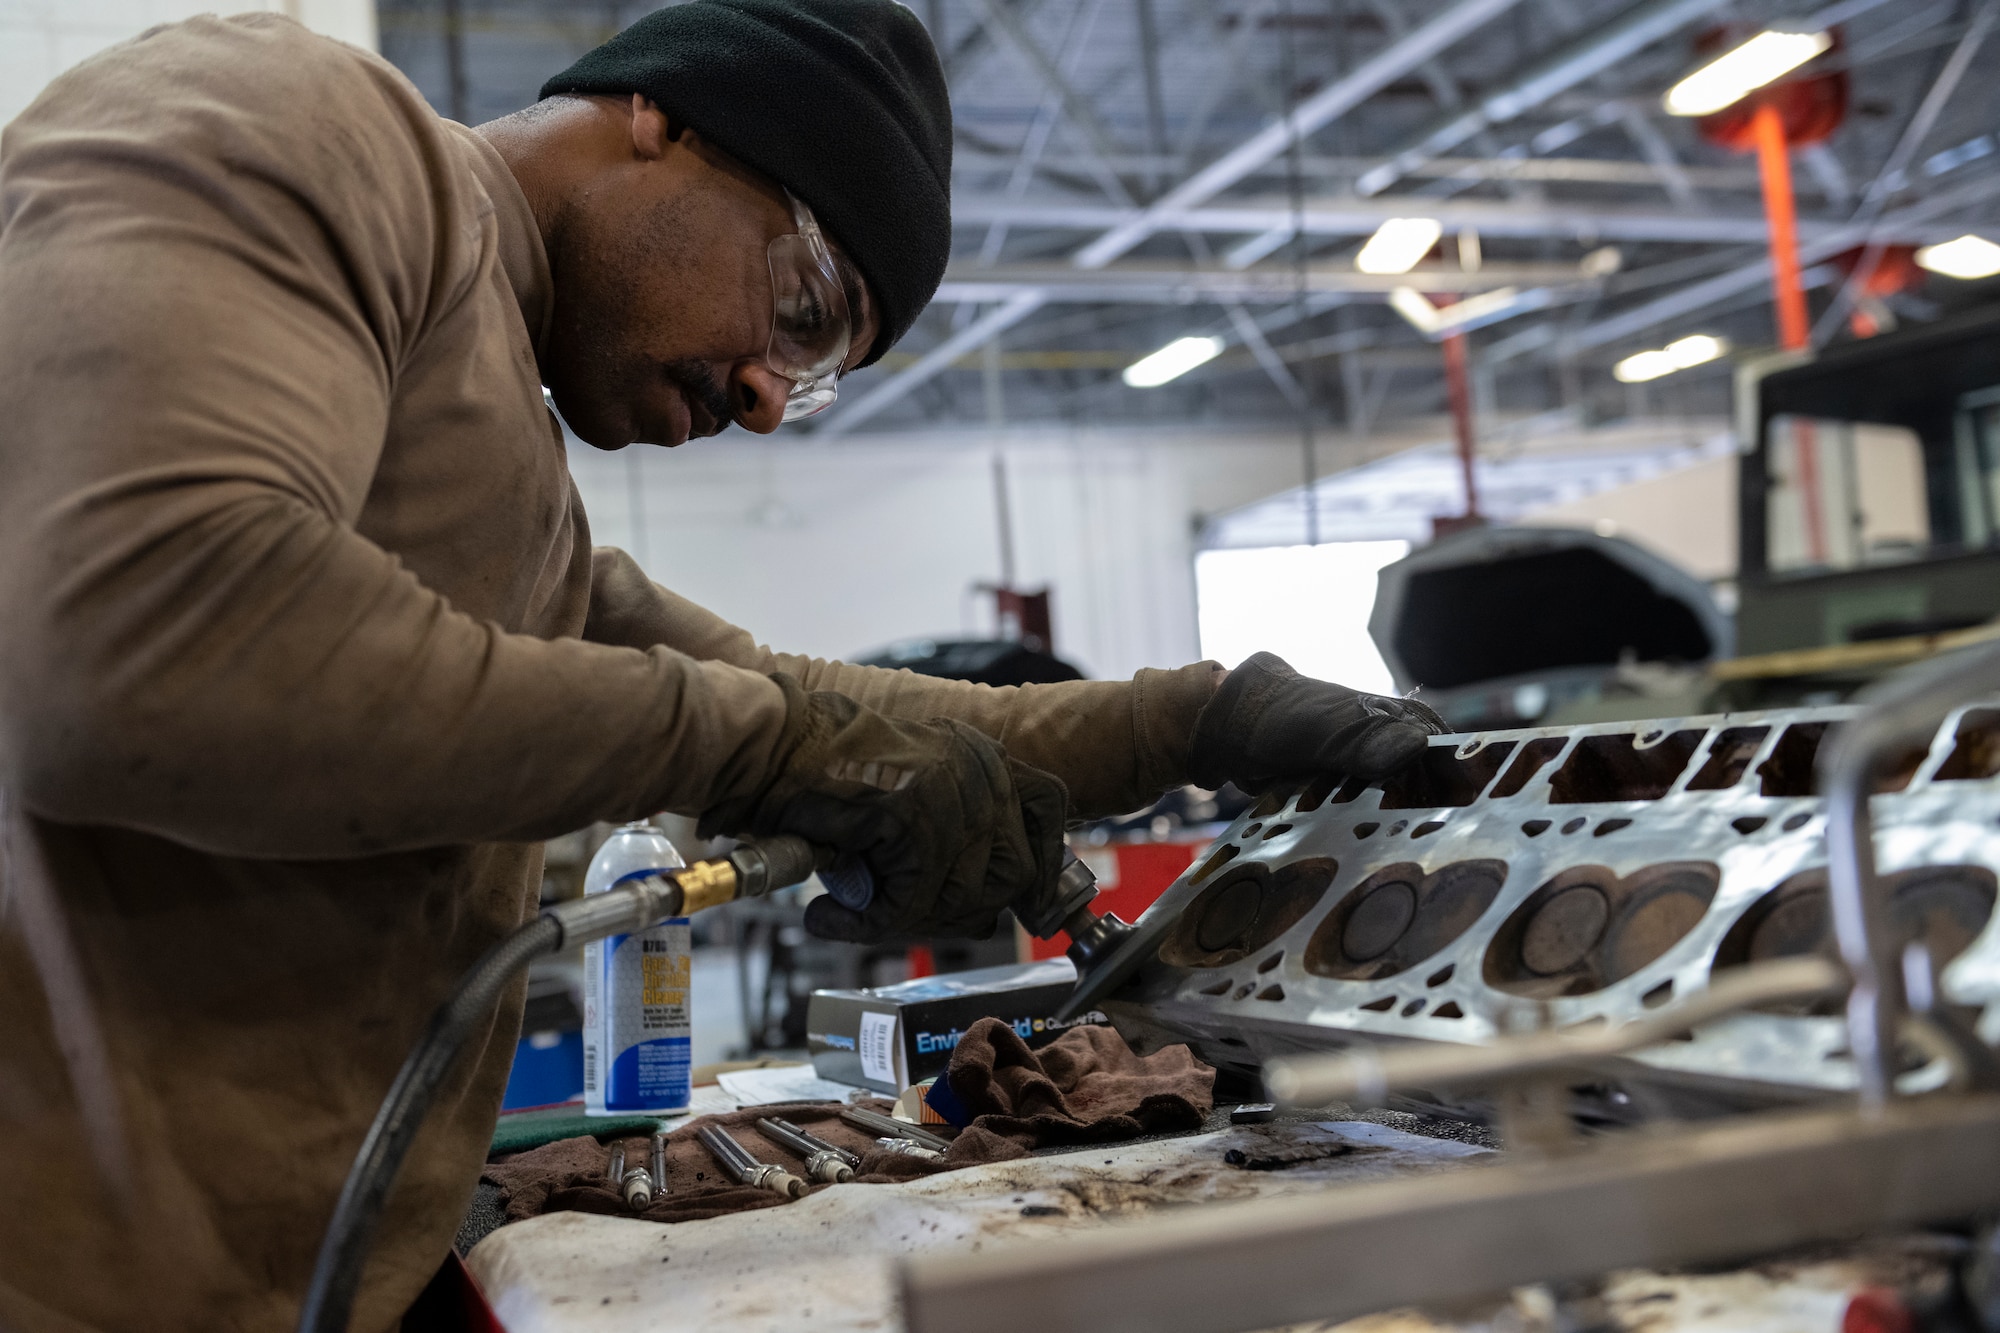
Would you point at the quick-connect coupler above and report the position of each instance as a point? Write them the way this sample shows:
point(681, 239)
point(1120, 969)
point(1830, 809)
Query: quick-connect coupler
point(752, 870)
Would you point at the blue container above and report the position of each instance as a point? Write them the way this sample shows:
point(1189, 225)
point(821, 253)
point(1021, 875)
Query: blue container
point(548, 1068)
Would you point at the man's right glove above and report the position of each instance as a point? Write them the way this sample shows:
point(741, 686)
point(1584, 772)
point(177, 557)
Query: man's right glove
point(1268, 726)
point(951, 828)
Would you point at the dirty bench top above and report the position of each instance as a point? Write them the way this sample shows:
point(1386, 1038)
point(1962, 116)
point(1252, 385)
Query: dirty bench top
point(828, 1261)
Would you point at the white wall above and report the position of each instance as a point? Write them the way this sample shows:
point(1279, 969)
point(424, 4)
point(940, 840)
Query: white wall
point(839, 548)
point(1687, 516)
point(39, 39)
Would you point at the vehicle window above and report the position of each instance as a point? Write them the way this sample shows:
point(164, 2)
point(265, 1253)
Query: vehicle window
point(1845, 494)
point(1977, 439)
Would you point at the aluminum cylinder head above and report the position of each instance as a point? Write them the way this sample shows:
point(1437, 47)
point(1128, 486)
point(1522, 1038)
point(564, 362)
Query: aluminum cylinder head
point(1558, 876)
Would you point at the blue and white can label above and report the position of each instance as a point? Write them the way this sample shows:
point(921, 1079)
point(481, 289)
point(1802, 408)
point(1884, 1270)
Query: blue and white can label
point(637, 1047)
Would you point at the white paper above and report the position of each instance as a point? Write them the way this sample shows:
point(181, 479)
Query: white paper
point(788, 1083)
point(706, 1099)
point(710, 1099)
point(879, 1040)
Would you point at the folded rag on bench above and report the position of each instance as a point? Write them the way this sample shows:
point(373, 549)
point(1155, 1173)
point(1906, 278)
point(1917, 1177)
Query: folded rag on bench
point(1085, 1087)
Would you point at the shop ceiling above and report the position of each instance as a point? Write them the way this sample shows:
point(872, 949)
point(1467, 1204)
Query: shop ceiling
point(1133, 171)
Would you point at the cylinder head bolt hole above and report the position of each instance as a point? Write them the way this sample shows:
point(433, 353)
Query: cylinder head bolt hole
point(1588, 927)
point(1400, 916)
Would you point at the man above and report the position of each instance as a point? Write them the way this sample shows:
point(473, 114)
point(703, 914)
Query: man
point(306, 647)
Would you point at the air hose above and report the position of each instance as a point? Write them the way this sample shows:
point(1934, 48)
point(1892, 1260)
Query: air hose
point(750, 871)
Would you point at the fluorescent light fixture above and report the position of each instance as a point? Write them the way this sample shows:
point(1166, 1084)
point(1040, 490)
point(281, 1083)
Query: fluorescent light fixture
point(1414, 306)
point(1967, 257)
point(1471, 313)
point(1693, 350)
point(1602, 262)
point(1728, 78)
point(1398, 244)
point(1171, 362)
point(1480, 309)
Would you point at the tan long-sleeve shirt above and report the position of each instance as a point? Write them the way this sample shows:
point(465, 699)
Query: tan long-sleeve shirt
point(303, 648)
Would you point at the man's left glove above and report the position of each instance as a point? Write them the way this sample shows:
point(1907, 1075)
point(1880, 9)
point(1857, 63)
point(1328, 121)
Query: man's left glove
point(1270, 727)
point(951, 828)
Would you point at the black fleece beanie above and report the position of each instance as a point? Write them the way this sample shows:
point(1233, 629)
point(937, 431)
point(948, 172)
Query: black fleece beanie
point(842, 102)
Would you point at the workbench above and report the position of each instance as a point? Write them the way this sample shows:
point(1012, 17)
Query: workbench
point(828, 1262)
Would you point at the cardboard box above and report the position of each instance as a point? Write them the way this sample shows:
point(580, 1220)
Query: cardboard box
point(892, 1036)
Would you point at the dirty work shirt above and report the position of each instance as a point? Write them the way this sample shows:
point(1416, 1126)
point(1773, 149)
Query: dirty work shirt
point(303, 652)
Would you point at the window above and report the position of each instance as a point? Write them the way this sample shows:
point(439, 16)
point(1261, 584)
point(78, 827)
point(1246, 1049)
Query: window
point(1977, 446)
point(1308, 604)
point(1845, 494)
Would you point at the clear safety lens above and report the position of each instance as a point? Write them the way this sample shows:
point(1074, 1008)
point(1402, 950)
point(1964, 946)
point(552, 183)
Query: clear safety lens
point(810, 397)
point(810, 328)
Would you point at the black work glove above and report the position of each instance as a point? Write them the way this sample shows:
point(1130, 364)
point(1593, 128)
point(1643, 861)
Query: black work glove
point(1270, 727)
point(950, 827)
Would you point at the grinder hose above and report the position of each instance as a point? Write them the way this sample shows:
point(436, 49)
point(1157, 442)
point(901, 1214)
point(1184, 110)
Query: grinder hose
point(351, 1234)
point(752, 870)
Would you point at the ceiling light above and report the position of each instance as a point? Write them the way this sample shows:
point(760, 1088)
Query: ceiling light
point(1693, 350)
point(1174, 360)
point(1765, 58)
point(1398, 244)
point(1473, 312)
point(1414, 306)
point(1602, 262)
point(1967, 257)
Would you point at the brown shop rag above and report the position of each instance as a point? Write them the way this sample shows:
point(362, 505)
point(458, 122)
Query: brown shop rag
point(1085, 1087)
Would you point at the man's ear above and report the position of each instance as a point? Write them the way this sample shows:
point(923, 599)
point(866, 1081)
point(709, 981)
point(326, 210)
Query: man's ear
point(652, 130)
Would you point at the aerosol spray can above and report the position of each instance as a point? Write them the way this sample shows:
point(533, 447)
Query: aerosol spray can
point(636, 1036)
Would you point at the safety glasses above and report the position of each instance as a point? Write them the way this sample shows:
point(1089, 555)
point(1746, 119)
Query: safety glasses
point(811, 327)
